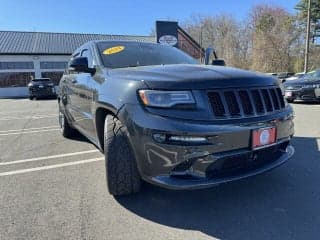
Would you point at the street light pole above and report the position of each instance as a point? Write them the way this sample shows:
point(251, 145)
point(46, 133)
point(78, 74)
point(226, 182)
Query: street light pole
point(306, 55)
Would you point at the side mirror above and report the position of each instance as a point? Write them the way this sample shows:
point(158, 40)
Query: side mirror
point(218, 62)
point(80, 64)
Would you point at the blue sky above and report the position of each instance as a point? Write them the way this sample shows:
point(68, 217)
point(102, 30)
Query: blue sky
point(135, 17)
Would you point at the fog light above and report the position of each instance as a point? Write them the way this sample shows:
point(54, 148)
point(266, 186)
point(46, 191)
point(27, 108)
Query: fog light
point(159, 137)
point(188, 139)
point(166, 138)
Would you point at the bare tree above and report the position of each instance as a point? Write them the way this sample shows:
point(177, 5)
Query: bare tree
point(274, 35)
point(224, 33)
point(269, 40)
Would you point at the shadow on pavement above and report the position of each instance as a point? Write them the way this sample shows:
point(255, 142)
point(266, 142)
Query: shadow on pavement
point(80, 138)
point(281, 204)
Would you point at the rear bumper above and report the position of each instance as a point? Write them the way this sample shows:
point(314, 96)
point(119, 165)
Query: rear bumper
point(226, 157)
point(42, 92)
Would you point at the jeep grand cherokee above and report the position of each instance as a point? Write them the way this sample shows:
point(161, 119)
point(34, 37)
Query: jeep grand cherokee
point(161, 117)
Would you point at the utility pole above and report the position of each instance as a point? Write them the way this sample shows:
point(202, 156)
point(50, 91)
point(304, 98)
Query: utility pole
point(306, 55)
point(200, 41)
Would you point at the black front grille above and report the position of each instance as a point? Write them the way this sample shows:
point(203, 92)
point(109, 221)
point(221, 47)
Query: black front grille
point(232, 103)
point(267, 100)
point(216, 103)
point(257, 101)
point(280, 96)
point(246, 103)
point(275, 99)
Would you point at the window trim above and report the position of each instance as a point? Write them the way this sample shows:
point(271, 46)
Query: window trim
point(15, 63)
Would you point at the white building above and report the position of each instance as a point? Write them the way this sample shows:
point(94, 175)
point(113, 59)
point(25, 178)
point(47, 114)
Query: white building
point(26, 55)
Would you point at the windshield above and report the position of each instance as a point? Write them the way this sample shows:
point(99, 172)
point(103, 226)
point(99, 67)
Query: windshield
point(41, 80)
point(134, 54)
point(314, 75)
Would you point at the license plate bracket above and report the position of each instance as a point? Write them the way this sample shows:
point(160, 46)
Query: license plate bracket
point(263, 137)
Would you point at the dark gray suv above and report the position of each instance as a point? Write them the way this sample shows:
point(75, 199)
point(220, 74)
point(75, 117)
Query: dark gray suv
point(40, 88)
point(161, 117)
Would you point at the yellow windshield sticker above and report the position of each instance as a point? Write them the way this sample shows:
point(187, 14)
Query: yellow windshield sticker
point(113, 50)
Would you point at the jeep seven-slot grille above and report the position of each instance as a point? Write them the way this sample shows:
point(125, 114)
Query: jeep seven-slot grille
point(216, 103)
point(245, 103)
point(233, 105)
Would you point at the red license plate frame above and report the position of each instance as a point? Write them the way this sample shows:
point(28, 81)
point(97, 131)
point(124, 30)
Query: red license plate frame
point(263, 137)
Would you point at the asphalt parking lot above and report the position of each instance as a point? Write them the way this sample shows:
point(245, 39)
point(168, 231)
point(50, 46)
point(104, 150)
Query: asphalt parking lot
point(54, 188)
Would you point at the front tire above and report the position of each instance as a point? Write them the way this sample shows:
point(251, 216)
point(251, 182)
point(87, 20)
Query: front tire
point(122, 174)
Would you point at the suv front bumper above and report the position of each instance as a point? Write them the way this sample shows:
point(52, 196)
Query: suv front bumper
point(227, 157)
point(244, 171)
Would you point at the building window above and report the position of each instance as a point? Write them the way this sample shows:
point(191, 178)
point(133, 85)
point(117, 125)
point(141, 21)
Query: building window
point(54, 76)
point(53, 65)
point(15, 79)
point(16, 65)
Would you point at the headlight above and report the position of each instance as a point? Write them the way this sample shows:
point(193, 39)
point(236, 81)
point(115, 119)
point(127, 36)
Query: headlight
point(166, 99)
point(315, 85)
point(51, 84)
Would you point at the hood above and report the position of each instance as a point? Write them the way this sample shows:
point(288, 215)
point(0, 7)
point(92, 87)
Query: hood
point(190, 76)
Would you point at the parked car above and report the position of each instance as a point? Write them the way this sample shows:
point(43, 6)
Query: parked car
point(306, 88)
point(161, 117)
point(40, 88)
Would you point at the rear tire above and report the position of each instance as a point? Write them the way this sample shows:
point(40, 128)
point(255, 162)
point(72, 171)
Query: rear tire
point(290, 101)
point(122, 174)
point(66, 130)
point(31, 97)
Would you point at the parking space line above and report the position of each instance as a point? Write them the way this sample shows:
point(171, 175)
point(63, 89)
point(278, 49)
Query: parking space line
point(27, 129)
point(24, 111)
point(47, 157)
point(27, 170)
point(28, 117)
point(23, 132)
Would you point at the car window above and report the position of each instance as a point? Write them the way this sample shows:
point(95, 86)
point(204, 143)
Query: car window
point(41, 80)
point(312, 75)
point(134, 54)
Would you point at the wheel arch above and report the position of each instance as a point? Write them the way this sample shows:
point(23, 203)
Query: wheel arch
point(100, 115)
